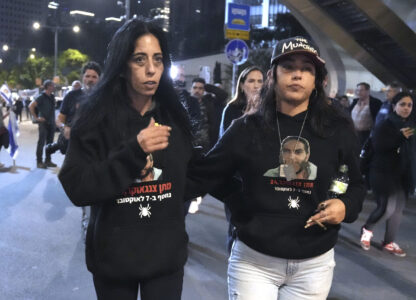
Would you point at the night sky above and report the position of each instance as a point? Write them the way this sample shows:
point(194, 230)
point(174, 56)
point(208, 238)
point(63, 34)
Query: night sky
point(109, 8)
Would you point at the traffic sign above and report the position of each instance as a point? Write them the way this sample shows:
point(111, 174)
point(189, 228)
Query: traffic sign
point(238, 17)
point(236, 51)
point(238, 22)
point(237, 34)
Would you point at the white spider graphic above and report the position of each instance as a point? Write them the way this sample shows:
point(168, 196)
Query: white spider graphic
point(293, 203)
point(145, 211)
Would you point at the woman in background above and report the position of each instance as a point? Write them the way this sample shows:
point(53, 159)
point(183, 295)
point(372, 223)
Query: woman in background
point(392, 172)
point(246, 100)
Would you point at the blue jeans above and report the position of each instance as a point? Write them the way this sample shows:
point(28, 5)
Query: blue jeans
point(253, 275)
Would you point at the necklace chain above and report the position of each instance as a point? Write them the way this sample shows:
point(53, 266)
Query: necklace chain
point(300, 132)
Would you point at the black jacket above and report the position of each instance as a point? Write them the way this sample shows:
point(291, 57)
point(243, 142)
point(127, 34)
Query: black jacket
point(230, 113)
point(214, 107)
point(137, 229)
point(394, 158)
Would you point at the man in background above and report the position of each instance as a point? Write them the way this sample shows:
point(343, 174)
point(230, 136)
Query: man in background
point(43, 112)
point(392, 90)
point(205, 107)
point(91, 72)
point(364, 110)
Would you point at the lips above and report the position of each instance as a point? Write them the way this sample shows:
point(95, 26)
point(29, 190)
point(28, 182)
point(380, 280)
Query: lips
point(295, 86)
point(150, 84)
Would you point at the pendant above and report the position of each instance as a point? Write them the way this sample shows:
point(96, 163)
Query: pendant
point(289, 172)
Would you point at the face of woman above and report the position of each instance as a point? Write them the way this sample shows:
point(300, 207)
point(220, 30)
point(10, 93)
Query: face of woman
point(295, 79)
point(253, 83)
point(144, 68)
point(403, 108)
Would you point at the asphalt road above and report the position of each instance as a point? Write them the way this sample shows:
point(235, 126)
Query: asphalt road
point(42, 252)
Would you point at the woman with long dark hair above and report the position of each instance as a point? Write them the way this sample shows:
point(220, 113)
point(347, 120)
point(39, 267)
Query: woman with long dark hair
point(127, 159)
point(286, 224)
point(246, 100)
point(392, 172)
point(246, 97)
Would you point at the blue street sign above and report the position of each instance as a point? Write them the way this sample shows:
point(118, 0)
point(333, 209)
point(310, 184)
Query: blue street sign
point(238, 17)
point(237, 52)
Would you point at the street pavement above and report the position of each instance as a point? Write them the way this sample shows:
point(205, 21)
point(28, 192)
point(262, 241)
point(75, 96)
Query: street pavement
point(42, 251)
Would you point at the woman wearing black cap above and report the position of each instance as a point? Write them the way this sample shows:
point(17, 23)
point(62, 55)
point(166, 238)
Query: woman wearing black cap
point(286, 224)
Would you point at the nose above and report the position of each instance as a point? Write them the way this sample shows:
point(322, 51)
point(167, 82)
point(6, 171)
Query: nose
point(297, 73)
point(150, 68)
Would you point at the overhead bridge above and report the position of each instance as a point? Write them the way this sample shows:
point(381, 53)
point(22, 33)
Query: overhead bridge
point(369, 31)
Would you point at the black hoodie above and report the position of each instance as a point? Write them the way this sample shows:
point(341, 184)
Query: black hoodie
point(271, 213)
point(136, 229)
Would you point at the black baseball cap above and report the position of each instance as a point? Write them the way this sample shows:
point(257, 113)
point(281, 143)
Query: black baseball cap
point(297, 44)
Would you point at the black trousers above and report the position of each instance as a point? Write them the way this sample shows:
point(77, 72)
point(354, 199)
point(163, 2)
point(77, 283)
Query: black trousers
point(168, 287)
point(363, 136)
point(389, 208)
point(46, 134)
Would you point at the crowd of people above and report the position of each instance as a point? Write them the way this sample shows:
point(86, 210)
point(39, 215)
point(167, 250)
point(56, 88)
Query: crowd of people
point(141, 151)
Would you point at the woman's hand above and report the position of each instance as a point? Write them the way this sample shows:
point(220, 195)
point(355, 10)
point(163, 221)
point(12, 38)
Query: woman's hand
point(154, 137)
point(407, 132)
point(331, 211)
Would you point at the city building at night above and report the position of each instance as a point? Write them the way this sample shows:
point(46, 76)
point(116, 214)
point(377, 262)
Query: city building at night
point(263, 13)
point(17, 17)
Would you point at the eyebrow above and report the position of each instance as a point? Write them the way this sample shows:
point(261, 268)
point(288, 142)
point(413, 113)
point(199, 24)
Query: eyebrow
point(143, 53)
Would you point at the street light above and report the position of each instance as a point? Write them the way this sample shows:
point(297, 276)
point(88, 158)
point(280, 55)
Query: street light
point(5, 47)
point(113, 19)
point(82, 13)
point(56, 29)
point(1, 61)
point(53, 5)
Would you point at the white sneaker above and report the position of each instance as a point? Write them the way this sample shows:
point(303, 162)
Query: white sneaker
point(194, 207)
point(198, 200)
point(395, 249)
point(366, 236)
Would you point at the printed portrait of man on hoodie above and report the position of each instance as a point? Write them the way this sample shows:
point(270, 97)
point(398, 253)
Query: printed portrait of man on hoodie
point(294, 158)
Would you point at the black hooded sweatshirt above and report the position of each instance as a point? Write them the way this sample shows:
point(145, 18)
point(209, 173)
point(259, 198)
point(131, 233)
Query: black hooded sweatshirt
point(271, 213)
point(136, 229)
